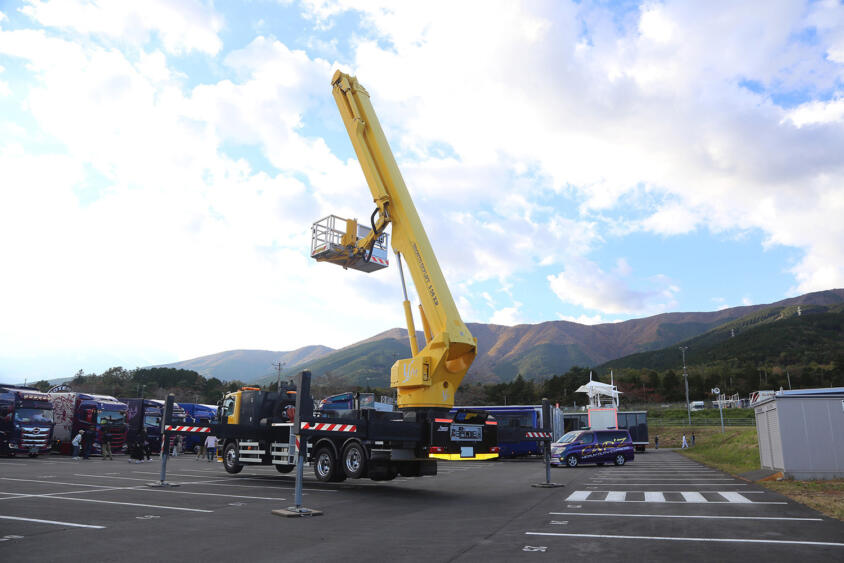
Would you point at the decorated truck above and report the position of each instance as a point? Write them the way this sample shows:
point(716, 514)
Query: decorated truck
point(74, 411)
point(145, 414)
point(26, 420)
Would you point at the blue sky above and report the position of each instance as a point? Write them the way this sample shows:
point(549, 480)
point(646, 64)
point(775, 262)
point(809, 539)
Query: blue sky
point(161, 165)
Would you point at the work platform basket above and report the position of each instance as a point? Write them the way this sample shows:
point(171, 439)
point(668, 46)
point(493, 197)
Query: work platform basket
point(327, 245)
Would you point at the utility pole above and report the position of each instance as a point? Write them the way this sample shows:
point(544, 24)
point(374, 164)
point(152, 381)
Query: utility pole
point(686, 378)
point(279, 366)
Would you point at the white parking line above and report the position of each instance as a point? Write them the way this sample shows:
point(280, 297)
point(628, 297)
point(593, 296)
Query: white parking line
point(100, 488)
point(602, 514)
point(124, 503)
point(717, 540)
point(264, 479)
point(651, 496)
point(52, 522)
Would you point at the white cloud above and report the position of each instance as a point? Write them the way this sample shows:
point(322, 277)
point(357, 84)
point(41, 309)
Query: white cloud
point(508, 316)
point(816, 112)
point(586, 319)
point(585, 284)
point(182, 26)
point(635, 107)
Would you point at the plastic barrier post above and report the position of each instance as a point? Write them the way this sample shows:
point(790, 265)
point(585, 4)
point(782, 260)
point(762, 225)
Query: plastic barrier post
point(166, 421)
point(546, 443)
point(304, 413)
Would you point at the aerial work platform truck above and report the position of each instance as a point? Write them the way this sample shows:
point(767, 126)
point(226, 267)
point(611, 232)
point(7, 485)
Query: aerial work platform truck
point(256, 426)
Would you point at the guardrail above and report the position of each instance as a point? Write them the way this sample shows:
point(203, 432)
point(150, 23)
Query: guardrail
point(701, 422)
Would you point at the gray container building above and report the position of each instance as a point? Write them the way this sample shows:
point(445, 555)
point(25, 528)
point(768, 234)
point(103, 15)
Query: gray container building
point(801, 433)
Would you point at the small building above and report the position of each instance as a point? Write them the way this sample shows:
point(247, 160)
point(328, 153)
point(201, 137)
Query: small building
point(801, 432)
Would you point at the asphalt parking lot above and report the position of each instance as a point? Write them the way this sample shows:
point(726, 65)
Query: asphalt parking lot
point(659, 507)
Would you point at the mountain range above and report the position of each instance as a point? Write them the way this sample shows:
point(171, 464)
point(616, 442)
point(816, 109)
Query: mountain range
point(532, 350)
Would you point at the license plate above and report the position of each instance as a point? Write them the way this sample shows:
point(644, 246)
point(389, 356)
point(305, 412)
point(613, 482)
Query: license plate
point(466, 433)
point(467, 452)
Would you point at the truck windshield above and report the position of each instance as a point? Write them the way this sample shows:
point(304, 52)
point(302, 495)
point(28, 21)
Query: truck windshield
point(110, 417)
point(30, 416)
point(154, 420)
point(568, 437)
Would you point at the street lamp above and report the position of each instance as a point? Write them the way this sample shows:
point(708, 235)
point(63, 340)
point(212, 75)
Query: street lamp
point(686, 378)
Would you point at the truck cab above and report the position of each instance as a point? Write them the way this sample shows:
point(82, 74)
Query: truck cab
point(26, 421)
point(197, 414)
point(145, 414)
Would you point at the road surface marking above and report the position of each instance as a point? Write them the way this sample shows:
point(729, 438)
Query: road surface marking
point(659, 496)
point(733, 497)
point(686, 516)
point(718, 540)
point(52, 522)
point(692, 496)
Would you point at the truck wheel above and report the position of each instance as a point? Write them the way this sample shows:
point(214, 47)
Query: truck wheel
point(619, 459)
point(230, 459)
point(326, 468)
point(572, 460)
point(383, 474)
point(354, 461)
point(284, 468)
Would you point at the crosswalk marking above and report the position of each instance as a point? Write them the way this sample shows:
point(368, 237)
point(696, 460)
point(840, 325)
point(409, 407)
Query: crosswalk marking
point(659, 496)
point(733, 497)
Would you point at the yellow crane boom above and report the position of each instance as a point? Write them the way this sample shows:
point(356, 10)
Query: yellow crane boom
point(431, 376)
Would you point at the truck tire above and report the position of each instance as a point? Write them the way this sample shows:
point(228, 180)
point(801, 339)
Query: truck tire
point(387, 473)
point(230, 459)
point(284, 468)
point(354, 460)
point(326, 468)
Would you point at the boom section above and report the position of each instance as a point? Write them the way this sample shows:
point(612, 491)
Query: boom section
point(432, 375)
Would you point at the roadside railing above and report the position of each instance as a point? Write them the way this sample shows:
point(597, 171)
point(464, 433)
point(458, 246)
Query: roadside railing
point(701, 422)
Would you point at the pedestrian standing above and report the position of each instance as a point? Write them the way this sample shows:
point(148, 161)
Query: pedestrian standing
point(177, 442)
point(693, 439)
point(685, 443)
point(137, 450)
point(656, 442)
point(210, 447)
point(105, 442)
point(87, 443)
point(77, 444)
point(146, 449)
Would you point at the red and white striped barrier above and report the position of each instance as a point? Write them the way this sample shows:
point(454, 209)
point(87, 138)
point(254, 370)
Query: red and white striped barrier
point(326, 427)
point(204, 429)
point(546, 435)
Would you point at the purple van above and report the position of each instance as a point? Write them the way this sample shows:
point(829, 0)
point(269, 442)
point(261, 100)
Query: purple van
point(592, 446)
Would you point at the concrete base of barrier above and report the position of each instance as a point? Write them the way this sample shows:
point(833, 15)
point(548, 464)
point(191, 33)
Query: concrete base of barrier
point(163, 484)
point(547, 485)
point(293, 512)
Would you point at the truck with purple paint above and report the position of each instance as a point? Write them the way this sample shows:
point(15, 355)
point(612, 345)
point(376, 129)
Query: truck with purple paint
point(74, 411)
point(145, 414)
point(26, 420)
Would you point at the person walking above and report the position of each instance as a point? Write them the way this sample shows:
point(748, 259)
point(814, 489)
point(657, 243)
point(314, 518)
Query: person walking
point(77, 444)
point(685, 443)
point(200, 454)
point(693, 439)
point(656, 442)
point(210, 447)
point(105, 444)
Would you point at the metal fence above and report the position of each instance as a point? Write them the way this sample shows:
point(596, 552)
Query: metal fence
point(702, 421)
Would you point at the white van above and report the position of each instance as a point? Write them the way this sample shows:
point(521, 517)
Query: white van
point(696, 405)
